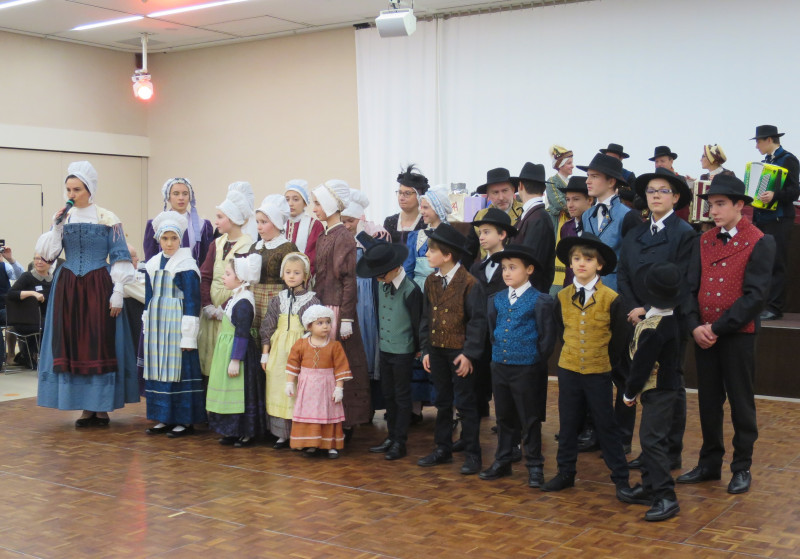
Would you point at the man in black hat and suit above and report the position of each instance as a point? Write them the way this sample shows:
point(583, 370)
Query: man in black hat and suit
point(663, 238)
point(729, 277)
point(535, 226)
point(616, 150)
point(778, 222)
point(500, 193)
point(663, 158)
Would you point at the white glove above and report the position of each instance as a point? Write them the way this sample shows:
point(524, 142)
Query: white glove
point(264, 358)
point(190, 329)
point(289, 389)
point(338, 394)
point(144, 322)
point(116, 299)
point(346, 329)
point(233, 368)
point(209, 310)
point(219, 313)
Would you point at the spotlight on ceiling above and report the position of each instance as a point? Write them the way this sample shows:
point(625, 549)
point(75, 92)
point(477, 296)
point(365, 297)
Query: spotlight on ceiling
point(397, 21)
point(142, 86)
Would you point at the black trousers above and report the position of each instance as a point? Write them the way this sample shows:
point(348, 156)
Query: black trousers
point(483, 381)
point(657, 411)
point(624, 416)
point(517, 401)
point(396, 387)
point(727, 369)
point(781, 229)
point(576, 392)
point(449, 388)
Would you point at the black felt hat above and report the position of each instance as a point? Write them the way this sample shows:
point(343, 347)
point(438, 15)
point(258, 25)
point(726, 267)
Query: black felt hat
point(498, 218)
point(661, 151)
point(609, 166)
point(446, 234)
point(523, 252)
point(531, 172)
point(727, 185)
point(677, 182)
point(767, 131)
point(661, 285)
point(495, 176)
point(616, 148)
point(587, 239)
point(575, 184)
point(381, 258)
point(413, 179)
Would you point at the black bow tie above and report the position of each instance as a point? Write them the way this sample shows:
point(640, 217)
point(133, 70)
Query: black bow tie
point(444, 282)
point(578, 226)
point(724, 237)
point(389, 288)
point(580, 295)
point(769, 158)
point(602, 208)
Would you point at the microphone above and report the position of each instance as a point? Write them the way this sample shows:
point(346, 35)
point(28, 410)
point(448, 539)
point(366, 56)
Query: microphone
point(60, 218)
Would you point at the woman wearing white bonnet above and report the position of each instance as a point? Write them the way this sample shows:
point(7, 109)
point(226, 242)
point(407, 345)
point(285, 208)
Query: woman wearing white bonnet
point(246, 189)
point(435, 207)
point(86, 299)
point(231, 214)
point(173, 383)
point(336, 289)
point(178, 195)
point(302, 229)
point(272, 246)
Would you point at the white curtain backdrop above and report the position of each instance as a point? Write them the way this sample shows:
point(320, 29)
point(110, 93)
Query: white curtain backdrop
point(637, 72)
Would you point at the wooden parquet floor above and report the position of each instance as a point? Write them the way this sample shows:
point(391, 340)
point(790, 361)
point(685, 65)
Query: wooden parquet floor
point(117, 492)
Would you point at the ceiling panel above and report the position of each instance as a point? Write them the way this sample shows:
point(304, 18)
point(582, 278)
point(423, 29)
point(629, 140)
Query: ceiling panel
point(256, 26)
point(52, 16)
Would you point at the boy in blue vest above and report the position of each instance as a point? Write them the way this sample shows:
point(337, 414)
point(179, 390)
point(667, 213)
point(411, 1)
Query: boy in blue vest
point(522, 333)
point(399, 308)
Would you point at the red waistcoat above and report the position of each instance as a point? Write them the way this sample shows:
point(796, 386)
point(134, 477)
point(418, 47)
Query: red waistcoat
point(723, 267)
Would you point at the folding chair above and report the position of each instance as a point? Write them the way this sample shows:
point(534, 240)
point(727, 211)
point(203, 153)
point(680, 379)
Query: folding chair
point(24, 320)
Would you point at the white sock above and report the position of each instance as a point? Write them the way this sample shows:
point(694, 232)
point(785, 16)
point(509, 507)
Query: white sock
point(333, 451)
point(281, 440)
point(178, 429)
point(160, 425)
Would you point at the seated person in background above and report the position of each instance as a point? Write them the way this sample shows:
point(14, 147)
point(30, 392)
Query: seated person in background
point(36, 284)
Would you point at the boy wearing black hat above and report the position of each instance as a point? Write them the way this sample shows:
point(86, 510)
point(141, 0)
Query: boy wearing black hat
point(591, 319)
point(452, 331)
point(664, 237)
point(522, 333)
point(777, 222)
point(535, 226)
point(654, 379)
point(399, 309)
point(617, 151)
point(729, 276)
point(577, 199)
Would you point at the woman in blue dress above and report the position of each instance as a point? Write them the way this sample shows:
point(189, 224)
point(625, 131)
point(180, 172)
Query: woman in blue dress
point(434, 207)
point(87, 360)
point(171, 322)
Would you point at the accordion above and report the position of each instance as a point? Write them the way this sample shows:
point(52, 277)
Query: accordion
point(698, 210)
point(760, 178)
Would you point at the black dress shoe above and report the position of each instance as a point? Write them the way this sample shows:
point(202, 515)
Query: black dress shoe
point(159, 430)
point(472, 465)
point(383, 447)
point(740, 482)
point(698, 475)
point(228, 441)
point(100, 421)
point(636, 463)
point(662, 509)
point(435, 458)
point(587, 441)
point(460, 445)
point(244, 441)
point(516, 455)
point(535, 476)
point(397, 451)
point(495, 471)
point(561, 481)
point(281, 445)
point(188, 430)
point(635, 495)
point(769, 315)
point(85, 421)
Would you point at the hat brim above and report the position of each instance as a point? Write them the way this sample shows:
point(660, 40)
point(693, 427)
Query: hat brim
point(622, 154)
point(512, 252)
point(684, 191)
point(482, 188)
point(620, 179)
point(364, 270)
point(747, 199)
point(768, 136)
point(674, 156)
point(507, 227)
point(446, 242)
point(566, 189)
point(565, 245)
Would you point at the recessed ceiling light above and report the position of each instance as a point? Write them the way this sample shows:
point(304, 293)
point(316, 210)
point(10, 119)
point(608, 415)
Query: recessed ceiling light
point(193, 8)
point(107, 22)
point(15, 3)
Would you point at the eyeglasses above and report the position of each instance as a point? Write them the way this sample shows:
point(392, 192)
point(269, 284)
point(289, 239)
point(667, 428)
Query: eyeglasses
point(664, 191)
point(39, 259)
point(405, 193)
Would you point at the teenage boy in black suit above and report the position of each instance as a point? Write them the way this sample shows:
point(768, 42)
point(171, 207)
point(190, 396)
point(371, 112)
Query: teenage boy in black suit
point(535, 226)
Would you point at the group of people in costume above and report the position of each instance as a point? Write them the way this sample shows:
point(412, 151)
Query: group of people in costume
point(276, 324)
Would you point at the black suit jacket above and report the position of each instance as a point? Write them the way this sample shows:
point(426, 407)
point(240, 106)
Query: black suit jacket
point(791, 188)
point(674, 243)
point(478, 269)
point(536, 231)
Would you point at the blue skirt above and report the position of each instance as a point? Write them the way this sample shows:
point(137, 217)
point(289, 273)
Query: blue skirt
point(181, 402)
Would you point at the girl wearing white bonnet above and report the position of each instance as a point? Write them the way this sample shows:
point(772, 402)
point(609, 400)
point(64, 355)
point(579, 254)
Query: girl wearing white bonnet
point(336, 288)
point(173, 382)
point(236, 400)
point(435, 207)
point(231, 214)
point(272, 246)
point(178, 195)
point(302, 229)
point(246, 189)
point(87, 297)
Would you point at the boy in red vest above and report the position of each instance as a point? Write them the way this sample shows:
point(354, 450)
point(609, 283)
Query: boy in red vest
point(730, 278)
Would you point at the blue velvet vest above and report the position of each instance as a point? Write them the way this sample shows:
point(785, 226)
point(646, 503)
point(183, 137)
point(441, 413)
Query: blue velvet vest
point(516, 337)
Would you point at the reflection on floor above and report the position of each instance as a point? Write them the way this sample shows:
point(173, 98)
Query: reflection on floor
point(117, 492)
